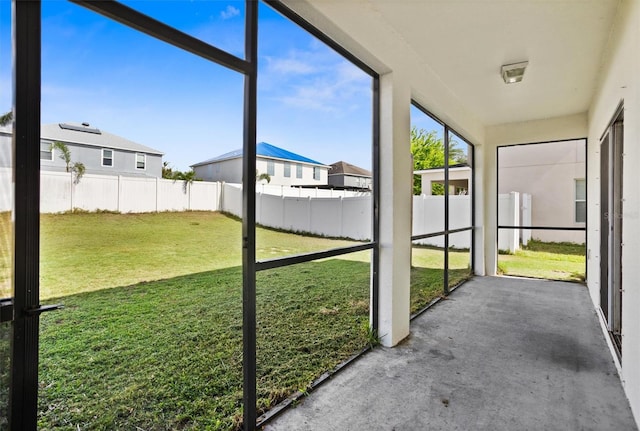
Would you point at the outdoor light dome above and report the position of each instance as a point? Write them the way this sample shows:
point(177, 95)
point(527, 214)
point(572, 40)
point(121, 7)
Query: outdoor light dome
point(512, 73)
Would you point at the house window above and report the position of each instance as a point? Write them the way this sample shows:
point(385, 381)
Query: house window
point(46, 151)
point(316, 173)
point(271, 168)
point(581, 201)
point(298, 170)
point(287, 169)
point(107, 157)
point(141, 161)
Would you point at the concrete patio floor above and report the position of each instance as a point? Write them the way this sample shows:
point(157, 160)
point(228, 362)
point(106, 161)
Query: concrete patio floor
point(498, 354)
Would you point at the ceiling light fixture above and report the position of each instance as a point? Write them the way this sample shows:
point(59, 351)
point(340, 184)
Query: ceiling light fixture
point(512, 73)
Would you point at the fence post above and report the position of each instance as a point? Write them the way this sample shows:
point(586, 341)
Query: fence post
point(119, 193)
point(282, 218)
point(221, 206)
point(341, 216)
point(309, 215)
point(514, 220)
point(157, 192)
point(71, 191)
point(526, 217)
point(258, 208)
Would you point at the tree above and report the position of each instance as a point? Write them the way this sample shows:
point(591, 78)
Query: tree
point(77, 168)
point(265, 176)
point(65, 154)
point(6, 118)
point(428, 152)
point(187, 176)
point(167, 171)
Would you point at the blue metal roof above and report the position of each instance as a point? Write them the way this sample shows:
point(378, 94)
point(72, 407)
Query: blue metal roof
point(266, 150)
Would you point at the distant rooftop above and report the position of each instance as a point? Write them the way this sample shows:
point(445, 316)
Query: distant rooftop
point(263, 149)
point(341, 167)
point(85, 134)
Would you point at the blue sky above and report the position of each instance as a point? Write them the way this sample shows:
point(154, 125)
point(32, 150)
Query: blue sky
point(310, 100)
point(423, 121)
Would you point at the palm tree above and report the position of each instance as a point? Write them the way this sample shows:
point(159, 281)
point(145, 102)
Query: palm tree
point(77, 168)
point(6, 118)
point(167, 171)
point(188, 177)
point(260, 177)
point(65, 154)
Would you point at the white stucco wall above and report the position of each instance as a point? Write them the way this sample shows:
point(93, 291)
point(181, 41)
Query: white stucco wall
point(620, 81)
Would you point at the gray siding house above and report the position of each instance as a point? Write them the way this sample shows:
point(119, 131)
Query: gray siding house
point(100, 152)
point(345, 174)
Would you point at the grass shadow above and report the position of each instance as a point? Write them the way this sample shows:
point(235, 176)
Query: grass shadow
point(568, 248)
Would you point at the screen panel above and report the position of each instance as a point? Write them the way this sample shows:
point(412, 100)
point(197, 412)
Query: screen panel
point(135, 244)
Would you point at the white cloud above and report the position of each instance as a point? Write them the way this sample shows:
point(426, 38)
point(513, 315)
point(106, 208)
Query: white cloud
point(337, 87)
point(315, 79)
point(289, 66)
point(229, 12)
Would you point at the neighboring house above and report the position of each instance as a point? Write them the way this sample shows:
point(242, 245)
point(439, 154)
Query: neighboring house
point(100, 152)
point(345, 174)
point(282, 166)
point(459, 179)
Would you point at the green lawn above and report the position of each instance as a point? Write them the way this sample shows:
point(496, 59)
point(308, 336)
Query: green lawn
point(427, 273)
point(5, 254)
point(556, 261)
point(151, 332)
point(167, 354)
point(88, 252)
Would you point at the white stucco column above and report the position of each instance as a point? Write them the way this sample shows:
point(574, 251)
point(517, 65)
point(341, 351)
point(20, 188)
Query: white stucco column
point(489, 184)
point(396, 174)
point(480, 205)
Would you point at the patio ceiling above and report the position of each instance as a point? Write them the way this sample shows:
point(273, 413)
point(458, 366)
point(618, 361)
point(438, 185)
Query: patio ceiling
point(461, 44)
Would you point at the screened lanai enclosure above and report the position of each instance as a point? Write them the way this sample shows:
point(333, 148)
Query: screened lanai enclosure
point(135, 295)
point(239, 345)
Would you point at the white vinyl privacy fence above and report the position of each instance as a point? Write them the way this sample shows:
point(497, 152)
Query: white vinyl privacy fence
point(304, 192)
point(343, 216)
point(59, 193)
point(317, 211)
